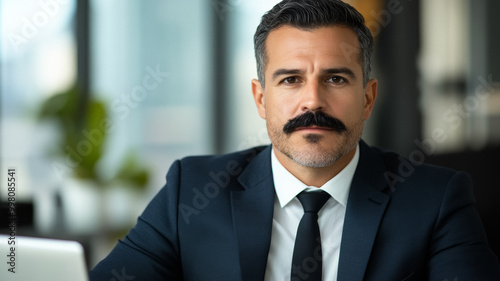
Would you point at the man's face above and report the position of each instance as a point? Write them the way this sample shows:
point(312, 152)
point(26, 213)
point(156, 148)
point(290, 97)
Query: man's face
point(314, 71)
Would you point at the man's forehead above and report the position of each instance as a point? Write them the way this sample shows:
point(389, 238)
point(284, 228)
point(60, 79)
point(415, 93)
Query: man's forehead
point(337, 43)
point(332, 36)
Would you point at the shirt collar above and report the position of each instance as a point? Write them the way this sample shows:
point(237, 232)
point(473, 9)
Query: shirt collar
point(287, 186)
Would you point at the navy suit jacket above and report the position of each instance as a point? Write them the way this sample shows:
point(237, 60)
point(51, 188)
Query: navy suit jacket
point(212, 221)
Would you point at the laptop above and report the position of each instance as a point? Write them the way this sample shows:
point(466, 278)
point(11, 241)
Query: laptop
point(29, 258)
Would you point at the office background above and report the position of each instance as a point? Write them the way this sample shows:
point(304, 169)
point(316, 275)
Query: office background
point(98, 98)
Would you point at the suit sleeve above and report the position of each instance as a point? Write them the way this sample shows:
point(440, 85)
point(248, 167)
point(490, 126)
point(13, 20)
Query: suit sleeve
point(459, 248)
point(151, 249)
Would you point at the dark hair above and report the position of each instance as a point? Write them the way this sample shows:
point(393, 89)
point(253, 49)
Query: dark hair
point(310, 14)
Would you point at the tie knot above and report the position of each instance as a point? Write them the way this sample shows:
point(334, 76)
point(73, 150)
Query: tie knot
point(313, 201)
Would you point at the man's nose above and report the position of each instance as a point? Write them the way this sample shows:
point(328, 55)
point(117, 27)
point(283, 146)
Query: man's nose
point(312, 97)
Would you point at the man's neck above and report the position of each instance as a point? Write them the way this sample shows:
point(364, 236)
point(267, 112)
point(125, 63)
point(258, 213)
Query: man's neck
point(314, 176)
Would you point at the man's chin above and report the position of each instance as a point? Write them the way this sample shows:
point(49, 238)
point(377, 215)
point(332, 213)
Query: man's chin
point(313, 159)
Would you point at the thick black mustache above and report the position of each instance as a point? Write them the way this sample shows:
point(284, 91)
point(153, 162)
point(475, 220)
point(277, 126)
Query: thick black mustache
point(309, 119)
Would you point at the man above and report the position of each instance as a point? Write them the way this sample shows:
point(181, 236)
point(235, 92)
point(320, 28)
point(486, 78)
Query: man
point(240, 216)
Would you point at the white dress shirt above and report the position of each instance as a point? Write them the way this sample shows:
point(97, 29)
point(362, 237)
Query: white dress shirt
point(287, 214)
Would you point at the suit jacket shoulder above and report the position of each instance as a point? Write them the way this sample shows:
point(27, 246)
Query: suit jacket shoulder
point(408, 219)
point(196, 168)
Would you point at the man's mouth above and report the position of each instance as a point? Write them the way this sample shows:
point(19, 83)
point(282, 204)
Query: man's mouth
point(314, 128)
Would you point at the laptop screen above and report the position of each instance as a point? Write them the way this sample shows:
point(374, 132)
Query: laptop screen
point(29, 258)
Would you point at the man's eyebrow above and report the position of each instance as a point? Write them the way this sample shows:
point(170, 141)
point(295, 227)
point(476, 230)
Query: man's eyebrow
point(335, 70)
point(340, 70)
point(285, 71)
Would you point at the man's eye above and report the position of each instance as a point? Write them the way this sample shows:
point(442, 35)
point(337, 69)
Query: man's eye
point(290, 80)
point(337, 80)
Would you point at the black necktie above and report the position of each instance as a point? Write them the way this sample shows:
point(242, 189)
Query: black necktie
point(307, 255)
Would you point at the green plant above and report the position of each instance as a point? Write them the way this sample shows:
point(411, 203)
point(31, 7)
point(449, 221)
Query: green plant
point(77, 120)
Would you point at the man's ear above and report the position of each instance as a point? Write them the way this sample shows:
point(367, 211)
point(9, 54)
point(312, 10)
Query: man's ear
point(370, 96)
point(258, 96)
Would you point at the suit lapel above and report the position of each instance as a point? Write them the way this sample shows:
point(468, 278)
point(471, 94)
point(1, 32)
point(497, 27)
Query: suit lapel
point(364, 212)
point(252, 208)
